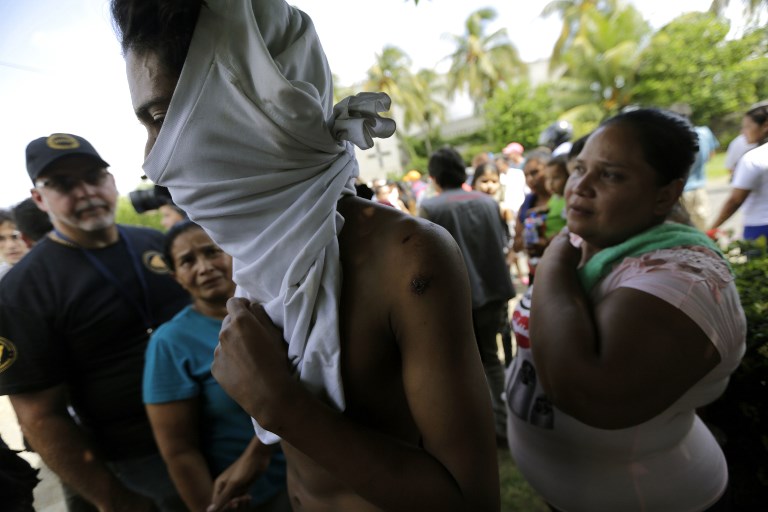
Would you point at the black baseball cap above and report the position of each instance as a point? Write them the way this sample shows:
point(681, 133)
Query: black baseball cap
point(42, 152)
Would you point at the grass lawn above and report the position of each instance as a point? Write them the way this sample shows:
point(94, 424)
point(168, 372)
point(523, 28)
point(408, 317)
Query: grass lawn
point(715, 168)
point(516, 494)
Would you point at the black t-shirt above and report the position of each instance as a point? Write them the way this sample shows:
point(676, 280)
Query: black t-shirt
point(63, 322)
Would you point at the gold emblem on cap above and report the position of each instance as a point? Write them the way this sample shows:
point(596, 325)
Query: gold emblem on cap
point(8, 354)
point(62, 141)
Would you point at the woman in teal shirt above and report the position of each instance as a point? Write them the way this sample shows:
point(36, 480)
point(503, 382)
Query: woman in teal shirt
point(206, 439)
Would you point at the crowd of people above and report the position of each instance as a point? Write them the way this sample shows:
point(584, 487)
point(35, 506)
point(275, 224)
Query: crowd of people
point(253, 358)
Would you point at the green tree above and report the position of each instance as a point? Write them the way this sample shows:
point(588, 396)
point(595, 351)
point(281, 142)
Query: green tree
point(391, 69)
point(518, 113)
point(572, 12)
point(689, 60)
point(422, 106)
point(601, 65)
point(126, 214)
point(481, 62)
point(752, 8)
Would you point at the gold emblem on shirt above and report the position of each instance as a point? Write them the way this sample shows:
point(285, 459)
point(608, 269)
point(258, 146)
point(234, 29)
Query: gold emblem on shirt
point(155, 262)
point(8, 354)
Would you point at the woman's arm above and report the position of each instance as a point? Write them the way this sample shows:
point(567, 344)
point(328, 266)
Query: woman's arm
point(618, 364)
point(232, 485)
point(175, 425)
point(731, 205)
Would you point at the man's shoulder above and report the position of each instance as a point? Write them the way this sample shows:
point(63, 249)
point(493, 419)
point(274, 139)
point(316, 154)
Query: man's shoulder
point(142, 231)
point(34, 266)
point(398, 236)
point(456, 196)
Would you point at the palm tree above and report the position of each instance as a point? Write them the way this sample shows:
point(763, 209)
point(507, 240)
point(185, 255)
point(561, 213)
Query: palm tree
point(423, 107)
point(601, 64)
point(572, 12)
point(751, 7)
point(482, 62)
point(389, 72)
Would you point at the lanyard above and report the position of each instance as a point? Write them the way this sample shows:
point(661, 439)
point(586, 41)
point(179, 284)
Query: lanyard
point(144, 310)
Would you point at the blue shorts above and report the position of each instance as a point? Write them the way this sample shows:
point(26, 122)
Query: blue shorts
point(755, 232)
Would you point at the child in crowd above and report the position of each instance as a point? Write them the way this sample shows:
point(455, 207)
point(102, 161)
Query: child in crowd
point(556, 174)
point(487, 180)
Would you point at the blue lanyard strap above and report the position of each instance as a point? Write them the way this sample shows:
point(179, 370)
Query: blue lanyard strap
point(144, 310)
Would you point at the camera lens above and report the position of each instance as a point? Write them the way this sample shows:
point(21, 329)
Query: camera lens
point(150, 198)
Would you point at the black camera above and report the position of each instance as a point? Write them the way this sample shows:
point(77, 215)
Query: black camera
point(146, 199)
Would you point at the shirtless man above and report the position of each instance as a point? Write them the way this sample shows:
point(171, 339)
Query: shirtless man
point(416, 432)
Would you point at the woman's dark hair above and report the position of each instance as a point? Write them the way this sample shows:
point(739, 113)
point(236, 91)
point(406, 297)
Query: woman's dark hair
point(482, 169)
point(577, 146)
point(447, 168)
point(758, 114)
point(668, 140)
point(164, 27)
point(170, 237)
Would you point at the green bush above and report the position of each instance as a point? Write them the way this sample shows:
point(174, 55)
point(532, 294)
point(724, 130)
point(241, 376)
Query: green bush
point(739, 418)
point(125, 214)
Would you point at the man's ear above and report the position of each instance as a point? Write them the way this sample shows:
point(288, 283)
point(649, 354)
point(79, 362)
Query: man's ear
point(27, 241)
point(37, 197)
point(668, 196)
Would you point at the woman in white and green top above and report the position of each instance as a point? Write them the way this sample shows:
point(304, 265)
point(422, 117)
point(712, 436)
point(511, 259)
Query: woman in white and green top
point(634, 324)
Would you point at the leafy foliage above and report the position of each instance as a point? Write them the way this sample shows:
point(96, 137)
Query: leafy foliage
point(740, 416)
point(127, 215)
point(482, 61)
point(601, 65)
point(519, 113)
point(572, 12)
point(715, 77)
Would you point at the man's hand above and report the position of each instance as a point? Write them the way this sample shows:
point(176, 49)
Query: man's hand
point(251, 362)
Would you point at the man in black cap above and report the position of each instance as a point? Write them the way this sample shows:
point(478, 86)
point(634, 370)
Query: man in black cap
point(75, 317)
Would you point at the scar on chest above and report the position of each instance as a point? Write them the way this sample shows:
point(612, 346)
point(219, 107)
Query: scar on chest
point(419, 284)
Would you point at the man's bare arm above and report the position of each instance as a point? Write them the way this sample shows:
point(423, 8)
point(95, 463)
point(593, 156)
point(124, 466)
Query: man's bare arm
point(455, 467)
point(52, 432)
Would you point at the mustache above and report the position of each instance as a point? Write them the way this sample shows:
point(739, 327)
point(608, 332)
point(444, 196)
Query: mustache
point(90, 204)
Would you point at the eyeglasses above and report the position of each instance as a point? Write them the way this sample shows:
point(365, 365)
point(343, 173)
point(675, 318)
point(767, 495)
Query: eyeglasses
point(13, 237)
point(65, 183)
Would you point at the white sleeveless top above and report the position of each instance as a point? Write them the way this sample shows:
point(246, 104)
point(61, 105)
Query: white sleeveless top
point(668, 463)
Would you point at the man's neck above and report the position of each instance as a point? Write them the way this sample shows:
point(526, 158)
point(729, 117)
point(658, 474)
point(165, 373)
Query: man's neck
point(97, 239)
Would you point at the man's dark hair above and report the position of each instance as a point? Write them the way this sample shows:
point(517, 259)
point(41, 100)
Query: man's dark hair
point(447, 168)
point(6, 216)
point(164, 27)
point(33, 222)
point(177, 230)
point(668, 141)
